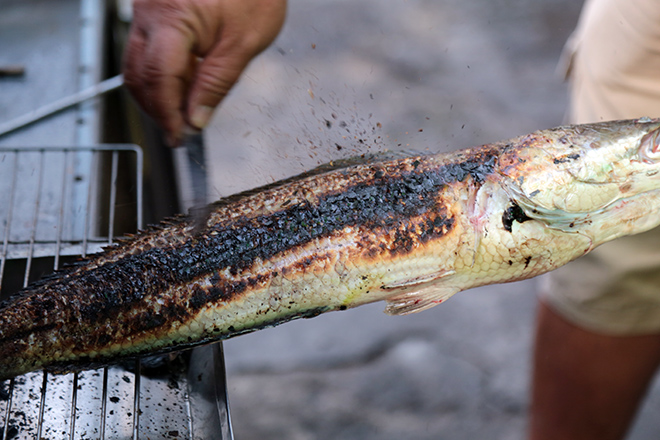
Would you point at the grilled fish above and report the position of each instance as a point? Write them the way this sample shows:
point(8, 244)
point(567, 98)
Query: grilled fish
point(409, 229)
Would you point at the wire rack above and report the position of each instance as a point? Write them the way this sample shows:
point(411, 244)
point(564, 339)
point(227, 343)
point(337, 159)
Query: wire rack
point(58, 204)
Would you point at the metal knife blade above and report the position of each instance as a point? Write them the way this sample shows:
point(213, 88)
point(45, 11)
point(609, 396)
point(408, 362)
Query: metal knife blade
point(193, 142)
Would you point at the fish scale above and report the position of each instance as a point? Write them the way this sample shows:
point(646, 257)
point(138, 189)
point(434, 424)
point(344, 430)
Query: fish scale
point(406, 228)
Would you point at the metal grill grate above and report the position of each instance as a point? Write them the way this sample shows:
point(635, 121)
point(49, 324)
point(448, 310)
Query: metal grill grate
point(60, 203)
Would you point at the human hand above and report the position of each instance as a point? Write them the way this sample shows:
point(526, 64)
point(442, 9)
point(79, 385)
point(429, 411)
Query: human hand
point(183, 56)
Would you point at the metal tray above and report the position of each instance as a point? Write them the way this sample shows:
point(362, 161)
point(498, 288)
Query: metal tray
point(61, 203)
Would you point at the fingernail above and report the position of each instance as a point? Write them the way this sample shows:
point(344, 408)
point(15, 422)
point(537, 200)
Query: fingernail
point(201, 115)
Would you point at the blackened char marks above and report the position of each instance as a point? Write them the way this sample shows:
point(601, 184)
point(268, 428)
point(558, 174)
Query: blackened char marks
point(108, 288)
point(406, 237)
point(436, 227)
point(384, 202)
point(199, 297)
point(391, 200)
point(513, 213)
point(478, 165)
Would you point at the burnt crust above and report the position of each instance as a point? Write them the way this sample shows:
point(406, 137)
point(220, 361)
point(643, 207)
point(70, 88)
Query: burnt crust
point(112, 296)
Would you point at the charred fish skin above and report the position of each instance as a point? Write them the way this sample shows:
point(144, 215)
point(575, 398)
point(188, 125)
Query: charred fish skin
point(261, 259)
point(409, 229)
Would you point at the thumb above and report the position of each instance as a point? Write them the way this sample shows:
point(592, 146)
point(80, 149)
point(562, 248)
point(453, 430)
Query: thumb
point(216, 74)
point(249, 27)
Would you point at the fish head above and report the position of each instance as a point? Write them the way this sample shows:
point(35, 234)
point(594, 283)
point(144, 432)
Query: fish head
point(602, 180)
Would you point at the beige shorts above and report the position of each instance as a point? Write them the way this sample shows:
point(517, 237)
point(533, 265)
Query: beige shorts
point(613, 63)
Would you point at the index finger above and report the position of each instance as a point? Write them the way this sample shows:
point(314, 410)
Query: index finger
point(157, 70)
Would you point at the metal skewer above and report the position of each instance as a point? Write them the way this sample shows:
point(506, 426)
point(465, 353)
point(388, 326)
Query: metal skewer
point(61, 104)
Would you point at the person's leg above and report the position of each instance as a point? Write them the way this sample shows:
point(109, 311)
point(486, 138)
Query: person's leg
point(587, 385)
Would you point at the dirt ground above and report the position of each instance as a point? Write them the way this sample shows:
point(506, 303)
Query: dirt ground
point(346, 77)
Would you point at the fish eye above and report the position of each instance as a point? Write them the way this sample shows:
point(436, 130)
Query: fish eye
point(649, 147)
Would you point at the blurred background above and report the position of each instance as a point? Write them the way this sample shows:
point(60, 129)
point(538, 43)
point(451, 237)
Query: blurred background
point(345, 77)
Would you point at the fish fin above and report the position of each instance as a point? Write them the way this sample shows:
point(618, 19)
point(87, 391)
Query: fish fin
point(418, 300)
point(418, 293)
point(420, 280)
